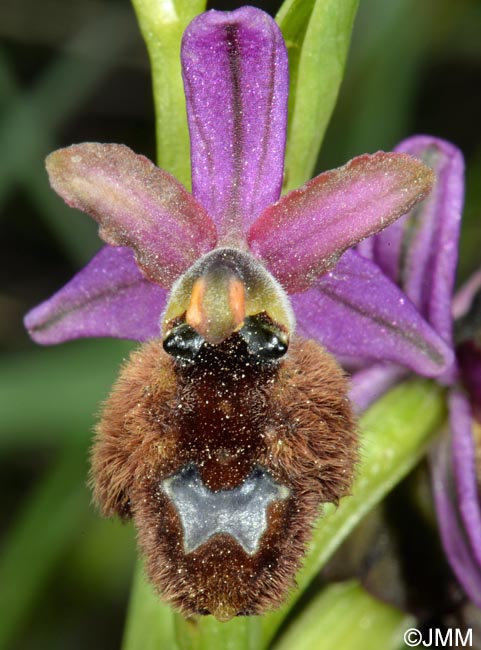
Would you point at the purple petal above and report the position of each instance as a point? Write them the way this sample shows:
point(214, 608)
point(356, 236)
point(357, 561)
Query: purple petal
point(303, 235)
point(236, 83)
point(385, 248)
point(464, 468)
point(109, 297)
point(136, 204)
point(355, 310)
point(420, 251)
point(430, 265)
point(371, 383)
point(454, 541)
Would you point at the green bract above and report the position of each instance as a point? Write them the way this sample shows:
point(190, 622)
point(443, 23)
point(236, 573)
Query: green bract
point(317, 35)
point(162, 25)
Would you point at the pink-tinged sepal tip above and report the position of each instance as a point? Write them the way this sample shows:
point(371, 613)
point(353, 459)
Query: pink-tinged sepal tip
point(455, 469)
point(303, 235)
point(136, 204)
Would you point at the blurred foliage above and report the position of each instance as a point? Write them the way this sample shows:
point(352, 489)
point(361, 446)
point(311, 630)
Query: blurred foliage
point(78, 70)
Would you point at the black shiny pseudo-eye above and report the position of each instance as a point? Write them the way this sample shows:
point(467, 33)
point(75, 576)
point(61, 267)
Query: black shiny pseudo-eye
point(264, 340)
point(183, 342)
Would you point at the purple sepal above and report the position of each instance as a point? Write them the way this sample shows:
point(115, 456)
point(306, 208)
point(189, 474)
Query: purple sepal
point(453, 537)
point(108, 297)
point(236, 83)
point(464, 468)
point(419, 252)
point(355, 310)
point(371, 383)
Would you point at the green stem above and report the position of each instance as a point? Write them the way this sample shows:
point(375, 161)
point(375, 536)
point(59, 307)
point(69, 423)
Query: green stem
point(317, 35)
point(162, 25)
point(343, 616)
point(150, 623)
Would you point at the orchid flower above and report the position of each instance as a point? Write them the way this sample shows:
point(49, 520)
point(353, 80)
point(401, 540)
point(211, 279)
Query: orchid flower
point(198, 270)
point(419, 252)
point(236, 83)
point(228, 269)
point(196, 439)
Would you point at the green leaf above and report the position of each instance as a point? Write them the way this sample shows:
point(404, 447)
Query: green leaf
point(162, 25)
point(150, 623)
point(344, 616)
point(395, 434)
point(52, 518)
point(317, 35)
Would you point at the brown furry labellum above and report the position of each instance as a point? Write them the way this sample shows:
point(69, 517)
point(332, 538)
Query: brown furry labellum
point(225, 416)
point(222, 441)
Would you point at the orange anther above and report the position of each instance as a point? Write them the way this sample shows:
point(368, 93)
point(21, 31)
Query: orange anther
point(237, 300)
point(195, 313)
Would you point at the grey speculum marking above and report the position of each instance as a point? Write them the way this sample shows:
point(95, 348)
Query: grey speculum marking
point(240, 512)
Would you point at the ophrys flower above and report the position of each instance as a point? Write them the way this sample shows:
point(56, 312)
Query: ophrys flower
point(420, 253)
point(226, 409)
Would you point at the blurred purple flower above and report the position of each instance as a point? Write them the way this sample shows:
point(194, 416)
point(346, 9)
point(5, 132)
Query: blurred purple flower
point(236, 84)
point(419, 252)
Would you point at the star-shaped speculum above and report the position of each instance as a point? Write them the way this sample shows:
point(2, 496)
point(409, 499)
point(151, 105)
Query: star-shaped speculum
point(240, 512)
point(420, 253)
point(226, 285)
